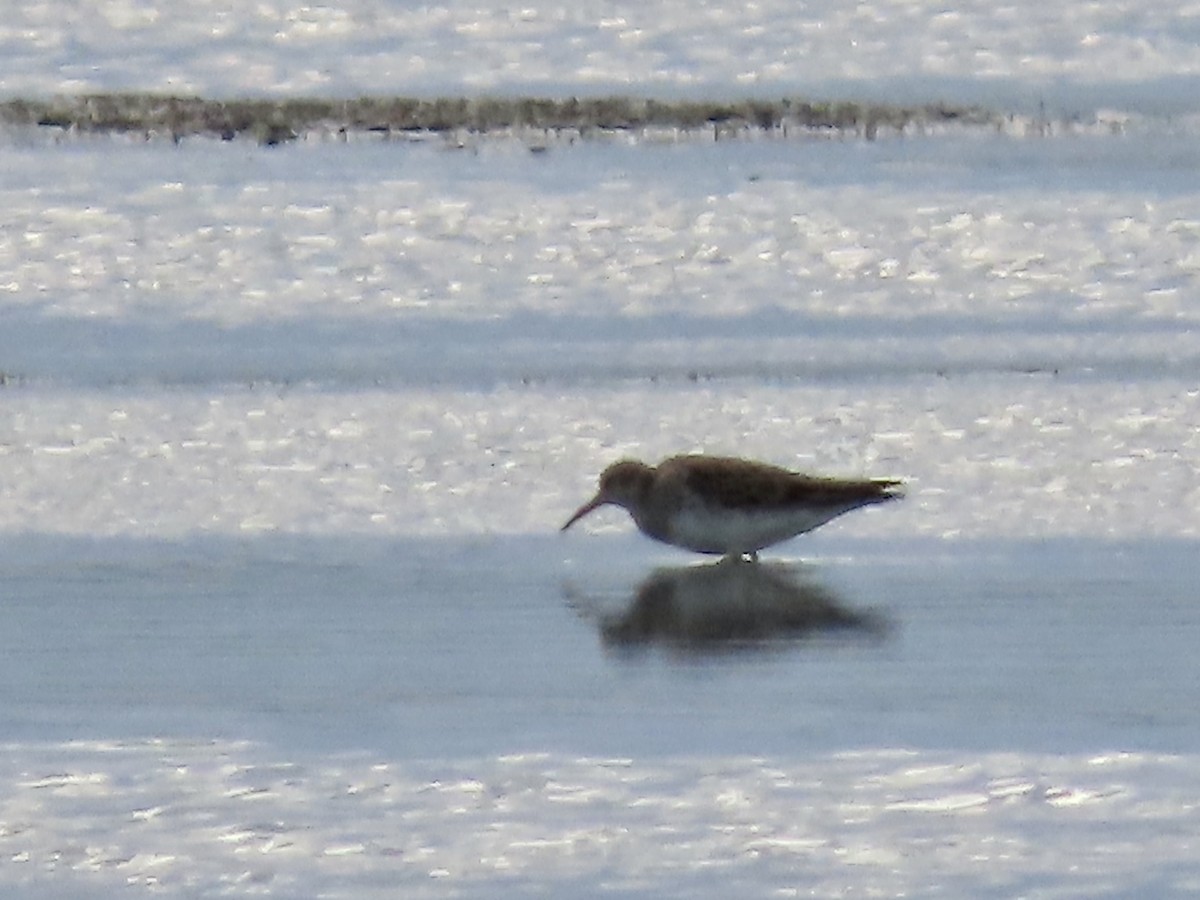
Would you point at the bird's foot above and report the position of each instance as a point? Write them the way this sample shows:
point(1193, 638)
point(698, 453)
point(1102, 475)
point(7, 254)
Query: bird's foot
point(751, 557)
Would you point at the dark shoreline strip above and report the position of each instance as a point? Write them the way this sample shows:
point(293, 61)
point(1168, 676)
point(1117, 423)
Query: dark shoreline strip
point(276, 121)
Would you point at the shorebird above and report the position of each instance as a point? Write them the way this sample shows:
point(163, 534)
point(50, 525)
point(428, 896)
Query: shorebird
point(736, 507)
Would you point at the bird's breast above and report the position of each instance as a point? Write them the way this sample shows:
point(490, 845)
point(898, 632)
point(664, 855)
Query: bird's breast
point(707, 530)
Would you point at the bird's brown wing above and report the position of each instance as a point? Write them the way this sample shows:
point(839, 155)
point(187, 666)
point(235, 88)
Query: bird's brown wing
point(737, 484)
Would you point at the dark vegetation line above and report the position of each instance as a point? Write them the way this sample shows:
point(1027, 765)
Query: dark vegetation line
point(277, 121)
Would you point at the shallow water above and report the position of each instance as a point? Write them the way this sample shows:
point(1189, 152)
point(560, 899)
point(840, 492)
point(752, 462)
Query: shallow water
point(286, 612)
point(593, 645)
point(287, 432)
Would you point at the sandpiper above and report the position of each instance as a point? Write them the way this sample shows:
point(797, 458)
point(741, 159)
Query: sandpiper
point(717, 504)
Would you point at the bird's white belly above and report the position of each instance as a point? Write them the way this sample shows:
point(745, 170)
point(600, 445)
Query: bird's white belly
point(741, 531)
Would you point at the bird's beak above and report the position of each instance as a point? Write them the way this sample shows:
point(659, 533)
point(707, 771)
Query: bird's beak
point(597, 501)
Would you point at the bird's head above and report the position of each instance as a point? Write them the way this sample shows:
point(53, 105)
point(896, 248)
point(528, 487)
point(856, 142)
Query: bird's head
point(622, 484)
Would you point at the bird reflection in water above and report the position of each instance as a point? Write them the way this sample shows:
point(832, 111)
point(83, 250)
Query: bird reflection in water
point(727, 606)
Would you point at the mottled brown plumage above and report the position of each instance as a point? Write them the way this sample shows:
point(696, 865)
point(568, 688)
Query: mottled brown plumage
point(717, 504)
